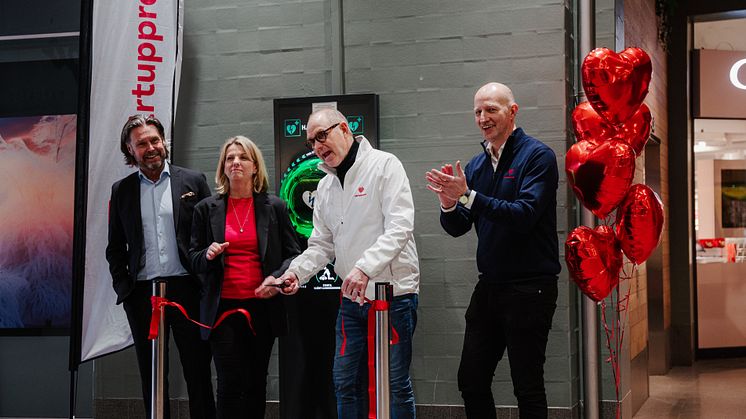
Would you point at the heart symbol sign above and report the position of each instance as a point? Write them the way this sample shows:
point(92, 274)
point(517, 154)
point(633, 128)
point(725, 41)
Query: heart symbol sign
point(600, 175)
point(590, 126)
point(616, 84)
point(309, 198)
point(593, 259)
point(291, 129)
point(354, 125)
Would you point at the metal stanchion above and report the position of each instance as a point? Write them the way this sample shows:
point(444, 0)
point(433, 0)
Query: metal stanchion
point(158, 359)
point(384, 292)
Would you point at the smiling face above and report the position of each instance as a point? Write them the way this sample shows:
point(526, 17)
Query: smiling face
point(338, 139)
point(148, 149)
point(494, 112)
point(239, 167)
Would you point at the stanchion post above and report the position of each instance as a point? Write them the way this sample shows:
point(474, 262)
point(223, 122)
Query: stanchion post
point(158, 359)
point(384, 292)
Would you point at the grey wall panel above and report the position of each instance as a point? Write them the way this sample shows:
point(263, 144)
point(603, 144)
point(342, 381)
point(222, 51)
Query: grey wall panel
point(425, 58)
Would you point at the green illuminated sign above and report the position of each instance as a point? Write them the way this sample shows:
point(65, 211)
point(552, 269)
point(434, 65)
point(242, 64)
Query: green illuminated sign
point(292, 127)
point(298, 189)
point(356, 124)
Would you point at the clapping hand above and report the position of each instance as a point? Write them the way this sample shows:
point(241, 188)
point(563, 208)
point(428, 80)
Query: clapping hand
point(447, 185)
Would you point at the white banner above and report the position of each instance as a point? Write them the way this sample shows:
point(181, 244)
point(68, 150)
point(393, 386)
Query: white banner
point(135, 69)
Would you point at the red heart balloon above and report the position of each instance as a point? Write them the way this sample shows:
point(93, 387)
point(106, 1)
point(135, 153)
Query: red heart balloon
point(616, 84)
point(639, 223)
point(600, 175)
point(589, 126)
point(594, 260)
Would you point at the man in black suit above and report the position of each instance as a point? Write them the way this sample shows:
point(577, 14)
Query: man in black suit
point(150, 219)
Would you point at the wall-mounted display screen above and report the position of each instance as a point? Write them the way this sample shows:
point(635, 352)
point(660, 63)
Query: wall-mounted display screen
point(37, 186)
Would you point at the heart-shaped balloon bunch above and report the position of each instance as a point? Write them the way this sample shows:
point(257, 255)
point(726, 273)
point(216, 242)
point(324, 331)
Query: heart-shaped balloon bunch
point(639, 223)
point(612, 129)
point(594, 260)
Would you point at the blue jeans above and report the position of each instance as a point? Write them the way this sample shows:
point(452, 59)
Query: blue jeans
point(351, 370)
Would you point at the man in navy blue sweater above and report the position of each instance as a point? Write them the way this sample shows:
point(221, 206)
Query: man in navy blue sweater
point(508, 193)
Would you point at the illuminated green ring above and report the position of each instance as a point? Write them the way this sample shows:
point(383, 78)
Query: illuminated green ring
point(302, 175)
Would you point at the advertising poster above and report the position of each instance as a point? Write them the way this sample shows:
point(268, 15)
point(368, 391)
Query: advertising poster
point(37, 174)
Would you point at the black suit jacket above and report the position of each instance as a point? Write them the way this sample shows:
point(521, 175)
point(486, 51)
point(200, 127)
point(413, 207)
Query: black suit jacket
point(126, 245)
point(278, 246)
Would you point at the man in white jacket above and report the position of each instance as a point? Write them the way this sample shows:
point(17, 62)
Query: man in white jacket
point(364, 217)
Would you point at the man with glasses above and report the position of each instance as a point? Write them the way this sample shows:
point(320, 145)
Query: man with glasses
point(364, 217)
point(150, 226)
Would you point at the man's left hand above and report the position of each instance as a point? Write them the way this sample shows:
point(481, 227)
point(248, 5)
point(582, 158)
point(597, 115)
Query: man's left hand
point(354, 285)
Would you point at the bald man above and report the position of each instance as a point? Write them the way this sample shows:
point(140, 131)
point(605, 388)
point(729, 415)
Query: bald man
point(364, 217)
point(508, 192)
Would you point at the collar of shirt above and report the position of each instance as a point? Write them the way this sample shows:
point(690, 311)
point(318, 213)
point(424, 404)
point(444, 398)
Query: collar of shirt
point(164, 174)
point(495, 158)
point(347, 162)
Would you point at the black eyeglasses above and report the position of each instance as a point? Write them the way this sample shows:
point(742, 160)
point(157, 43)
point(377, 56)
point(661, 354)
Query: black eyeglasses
point(320, 136)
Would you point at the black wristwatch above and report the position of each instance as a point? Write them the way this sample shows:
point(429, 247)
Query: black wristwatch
point(464, 199)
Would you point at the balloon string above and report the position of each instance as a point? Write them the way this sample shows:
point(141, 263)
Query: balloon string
point(615, 333)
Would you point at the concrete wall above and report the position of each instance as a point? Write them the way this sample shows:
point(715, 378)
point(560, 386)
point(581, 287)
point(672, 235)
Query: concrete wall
point(425, 59)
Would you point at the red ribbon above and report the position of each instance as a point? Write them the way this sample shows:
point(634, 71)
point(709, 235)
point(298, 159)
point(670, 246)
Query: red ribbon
point(375, 305)
point(159, 303)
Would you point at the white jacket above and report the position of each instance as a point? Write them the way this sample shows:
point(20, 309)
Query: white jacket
point(369, 224)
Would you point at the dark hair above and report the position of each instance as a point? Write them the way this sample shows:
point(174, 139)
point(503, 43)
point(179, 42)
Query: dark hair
point(134, 121)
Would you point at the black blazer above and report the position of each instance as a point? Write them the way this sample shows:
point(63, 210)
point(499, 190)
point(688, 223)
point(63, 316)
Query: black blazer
point(125, 251)
point(278, 246)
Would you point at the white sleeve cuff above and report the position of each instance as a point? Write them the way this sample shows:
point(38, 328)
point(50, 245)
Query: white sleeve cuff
point(451, 209)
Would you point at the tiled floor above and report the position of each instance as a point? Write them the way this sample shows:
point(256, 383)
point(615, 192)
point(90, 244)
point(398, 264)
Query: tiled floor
point(712, 389)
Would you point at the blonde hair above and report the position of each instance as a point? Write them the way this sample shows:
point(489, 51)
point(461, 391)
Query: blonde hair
point(261, 182)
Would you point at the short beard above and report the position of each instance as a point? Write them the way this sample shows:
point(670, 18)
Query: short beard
point(153, 166)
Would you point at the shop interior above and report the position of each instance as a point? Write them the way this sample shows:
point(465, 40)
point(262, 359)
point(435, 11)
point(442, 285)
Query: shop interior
point(720, 192)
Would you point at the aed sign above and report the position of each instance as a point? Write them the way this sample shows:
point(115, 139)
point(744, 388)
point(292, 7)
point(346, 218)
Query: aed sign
point(719, 79)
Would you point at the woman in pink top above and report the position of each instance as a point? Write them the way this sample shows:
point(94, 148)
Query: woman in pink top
point(241, 237)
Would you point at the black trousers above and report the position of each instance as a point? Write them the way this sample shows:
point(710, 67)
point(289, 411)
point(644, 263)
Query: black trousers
point(242, 359)
point(516, 317)
point(194, 353)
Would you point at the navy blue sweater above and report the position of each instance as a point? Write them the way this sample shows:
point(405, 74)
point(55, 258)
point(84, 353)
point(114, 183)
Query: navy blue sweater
point(514, 212)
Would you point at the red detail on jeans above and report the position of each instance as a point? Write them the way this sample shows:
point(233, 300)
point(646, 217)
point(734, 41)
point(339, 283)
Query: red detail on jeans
point(375, 305)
